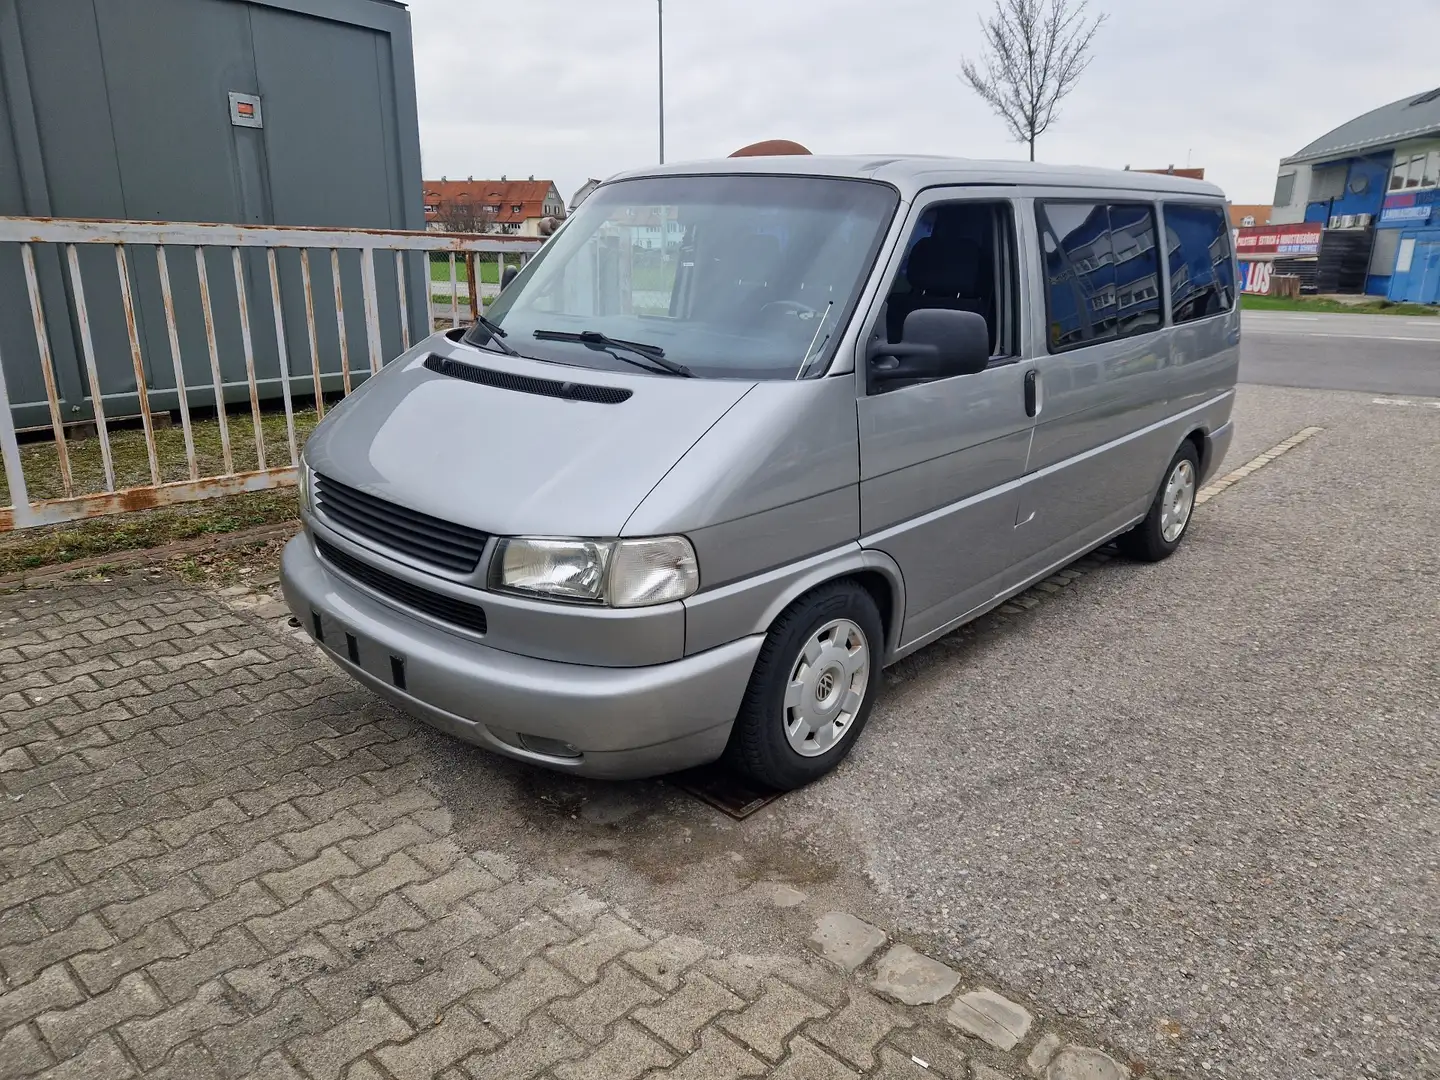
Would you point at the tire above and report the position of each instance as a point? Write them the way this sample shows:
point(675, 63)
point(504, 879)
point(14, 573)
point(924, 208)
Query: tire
point(1157, 536)
point(769, 742)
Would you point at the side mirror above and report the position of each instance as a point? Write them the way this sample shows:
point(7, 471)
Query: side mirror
point(511, 272)
point(937, 343)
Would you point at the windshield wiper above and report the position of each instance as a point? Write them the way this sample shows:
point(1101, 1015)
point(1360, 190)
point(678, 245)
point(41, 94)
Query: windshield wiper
point(496, 332)
point(653, 353)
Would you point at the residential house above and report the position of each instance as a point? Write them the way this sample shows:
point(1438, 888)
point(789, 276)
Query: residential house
point(511, 207)
point(583, 193)
point(1171, 170)
point(651, 228)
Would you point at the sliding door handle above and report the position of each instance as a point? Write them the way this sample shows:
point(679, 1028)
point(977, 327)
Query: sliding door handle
point(1032, 392)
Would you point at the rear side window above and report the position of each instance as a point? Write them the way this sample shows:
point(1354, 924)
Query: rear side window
point(1137, 269)
point(1202, 274)
point(1102, 271)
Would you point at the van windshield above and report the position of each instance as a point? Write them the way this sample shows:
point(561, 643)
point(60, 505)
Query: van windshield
point(738, 276)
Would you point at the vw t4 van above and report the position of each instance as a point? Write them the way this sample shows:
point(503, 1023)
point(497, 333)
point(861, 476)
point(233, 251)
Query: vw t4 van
point(744, 433)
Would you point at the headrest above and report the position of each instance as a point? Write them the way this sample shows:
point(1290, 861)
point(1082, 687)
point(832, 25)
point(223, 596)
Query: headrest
point(951, 269)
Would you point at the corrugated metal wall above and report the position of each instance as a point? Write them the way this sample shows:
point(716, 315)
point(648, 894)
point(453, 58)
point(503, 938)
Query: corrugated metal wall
point(120, 109)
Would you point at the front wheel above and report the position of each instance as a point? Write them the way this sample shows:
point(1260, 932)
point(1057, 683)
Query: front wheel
point(811, 692)
point(1165, 525)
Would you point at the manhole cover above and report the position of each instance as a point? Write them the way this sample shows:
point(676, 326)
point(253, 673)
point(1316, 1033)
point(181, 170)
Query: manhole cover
point(725, 789)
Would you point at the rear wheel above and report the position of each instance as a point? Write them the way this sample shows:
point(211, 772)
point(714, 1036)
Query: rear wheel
point(812, 688)
point(1165, 525)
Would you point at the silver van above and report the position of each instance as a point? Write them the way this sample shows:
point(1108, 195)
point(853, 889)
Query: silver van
point(744, 433)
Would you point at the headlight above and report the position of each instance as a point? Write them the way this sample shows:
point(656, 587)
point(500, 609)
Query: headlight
point(563, 569)
point(306, 487)
point(620, 573)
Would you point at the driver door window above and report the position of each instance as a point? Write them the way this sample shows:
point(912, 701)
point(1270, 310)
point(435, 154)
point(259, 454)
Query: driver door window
point(960, 257)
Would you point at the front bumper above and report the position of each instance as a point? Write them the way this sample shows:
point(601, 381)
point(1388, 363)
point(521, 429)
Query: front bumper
point(624, 722)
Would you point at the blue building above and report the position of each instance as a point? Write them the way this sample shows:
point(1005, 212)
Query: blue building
point(1379, 175)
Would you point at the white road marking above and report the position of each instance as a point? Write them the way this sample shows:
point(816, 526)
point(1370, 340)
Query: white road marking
point(1405, 401)
point(1357, 337)
point(1219, 484)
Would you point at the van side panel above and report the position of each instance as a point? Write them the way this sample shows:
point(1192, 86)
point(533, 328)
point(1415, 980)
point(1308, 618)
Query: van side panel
point(1093, 397)
point(772, 482)
point(955, 557)
point(948, 521)
point(1205, 360)
point(1205, 353)
point(737, 549)
point(1150, 450)
point(1112, 395)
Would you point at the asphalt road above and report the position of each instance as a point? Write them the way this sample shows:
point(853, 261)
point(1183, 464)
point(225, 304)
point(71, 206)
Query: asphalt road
point(1380, 354)
point(1191, 810)
point(1196, 802)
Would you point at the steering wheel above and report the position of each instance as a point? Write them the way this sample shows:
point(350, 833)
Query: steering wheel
point(788, 307)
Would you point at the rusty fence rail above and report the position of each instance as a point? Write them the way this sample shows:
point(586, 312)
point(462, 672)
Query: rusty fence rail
point(179, 318)
point(490, 266)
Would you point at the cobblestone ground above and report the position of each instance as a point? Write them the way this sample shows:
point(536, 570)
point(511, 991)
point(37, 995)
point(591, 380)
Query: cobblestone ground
point(220, 858)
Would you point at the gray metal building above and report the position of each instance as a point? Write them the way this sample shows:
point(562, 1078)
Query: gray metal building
point(251, 112)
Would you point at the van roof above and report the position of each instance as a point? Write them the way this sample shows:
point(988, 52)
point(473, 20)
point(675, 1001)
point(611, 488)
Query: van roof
point(913, 173)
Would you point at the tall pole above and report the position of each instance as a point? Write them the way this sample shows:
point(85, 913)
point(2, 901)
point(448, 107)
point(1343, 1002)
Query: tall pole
point(661, 4)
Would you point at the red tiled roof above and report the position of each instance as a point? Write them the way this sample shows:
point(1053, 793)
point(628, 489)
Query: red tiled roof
point(529, 195)
point(1189, 174)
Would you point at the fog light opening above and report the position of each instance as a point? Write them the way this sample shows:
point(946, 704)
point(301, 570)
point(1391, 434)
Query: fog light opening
point(538, 744)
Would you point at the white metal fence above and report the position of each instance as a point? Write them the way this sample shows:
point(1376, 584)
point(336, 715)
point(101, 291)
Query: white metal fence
point(166, 327)
point(450, 284)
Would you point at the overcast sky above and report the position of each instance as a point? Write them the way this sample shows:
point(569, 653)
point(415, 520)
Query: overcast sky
point(566, 89)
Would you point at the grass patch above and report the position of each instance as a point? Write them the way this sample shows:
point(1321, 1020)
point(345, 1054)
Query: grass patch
point(442, 305)
point(1318, 305)
point(54, 545)
point(654, 278)
point(489, 270)
point(245, 562)
point(28, 549)
point(41, 461)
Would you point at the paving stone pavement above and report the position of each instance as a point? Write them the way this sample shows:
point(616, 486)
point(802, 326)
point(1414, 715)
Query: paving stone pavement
point(213, 864)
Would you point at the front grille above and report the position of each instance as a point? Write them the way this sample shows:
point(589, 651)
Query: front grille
point(440, 543)
point(445, 608)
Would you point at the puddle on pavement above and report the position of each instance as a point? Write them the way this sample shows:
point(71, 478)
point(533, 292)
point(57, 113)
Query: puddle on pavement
point(657, 830)
point(674, 861)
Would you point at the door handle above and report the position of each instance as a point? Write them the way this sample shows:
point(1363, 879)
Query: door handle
point(1032, 392)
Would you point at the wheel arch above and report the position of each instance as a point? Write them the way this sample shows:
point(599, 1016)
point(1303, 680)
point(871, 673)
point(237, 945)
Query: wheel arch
point(1203, 450)
point(1196, 437)
point(876, 572)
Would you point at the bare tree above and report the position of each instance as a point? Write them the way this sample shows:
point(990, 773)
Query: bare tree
point(463, 215)
point(1035, 50)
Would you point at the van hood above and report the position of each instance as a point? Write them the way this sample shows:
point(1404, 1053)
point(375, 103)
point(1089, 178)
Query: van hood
point(508, 461)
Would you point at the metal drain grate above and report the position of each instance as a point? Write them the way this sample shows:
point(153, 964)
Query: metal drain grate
point(725, 790)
